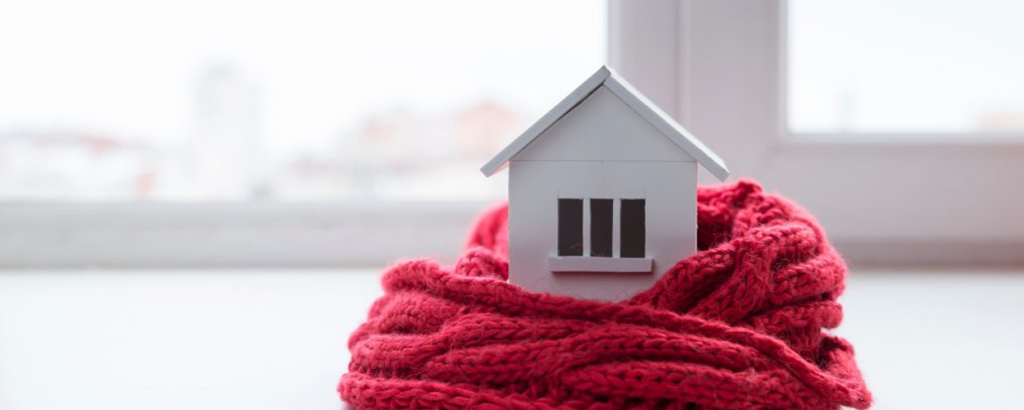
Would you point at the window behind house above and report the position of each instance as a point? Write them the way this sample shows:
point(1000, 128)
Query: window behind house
point(917, 67)
point(226, 100)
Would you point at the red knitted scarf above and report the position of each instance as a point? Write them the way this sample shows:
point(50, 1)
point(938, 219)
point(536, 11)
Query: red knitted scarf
point(736, 326)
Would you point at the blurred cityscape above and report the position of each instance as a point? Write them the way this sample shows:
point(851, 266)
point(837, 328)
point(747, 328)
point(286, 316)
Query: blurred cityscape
point(317, 100)
point(393, 154)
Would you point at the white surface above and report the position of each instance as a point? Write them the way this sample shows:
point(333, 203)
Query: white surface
point(276, 339)
point(177, 339)
point(946, 340)
point(719, 68)
point(605, 128)
point(534, 187)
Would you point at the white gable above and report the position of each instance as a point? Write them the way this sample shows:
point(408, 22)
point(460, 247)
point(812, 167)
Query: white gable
point(606, 80)
point(602, 128)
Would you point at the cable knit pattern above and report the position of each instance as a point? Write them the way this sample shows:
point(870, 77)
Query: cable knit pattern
point(736, 326)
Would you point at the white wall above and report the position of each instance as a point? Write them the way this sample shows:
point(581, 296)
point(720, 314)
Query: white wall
point(595, 131)
point(669, 190)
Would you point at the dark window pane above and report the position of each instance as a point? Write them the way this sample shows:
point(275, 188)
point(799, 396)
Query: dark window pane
point(570, 227)
point(633, 229)
point(601, 227)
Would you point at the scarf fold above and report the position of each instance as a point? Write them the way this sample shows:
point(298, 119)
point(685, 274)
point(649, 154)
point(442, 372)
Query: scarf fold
point(739, 325)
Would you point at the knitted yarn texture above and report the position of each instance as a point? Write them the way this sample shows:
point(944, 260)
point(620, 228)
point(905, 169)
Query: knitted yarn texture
point(739, 325)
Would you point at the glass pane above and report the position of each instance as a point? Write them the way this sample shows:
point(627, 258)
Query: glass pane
point(914, 66)
point(211, 100)
point(601, 214)
point(570, 227)
point(633, 239)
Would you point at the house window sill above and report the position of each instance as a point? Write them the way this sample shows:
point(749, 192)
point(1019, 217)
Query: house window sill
point(599, 264)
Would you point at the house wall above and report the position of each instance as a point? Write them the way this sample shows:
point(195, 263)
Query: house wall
point(602, 128)
point(669, 188)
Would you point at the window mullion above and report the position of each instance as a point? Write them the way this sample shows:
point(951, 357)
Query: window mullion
point(586, 227)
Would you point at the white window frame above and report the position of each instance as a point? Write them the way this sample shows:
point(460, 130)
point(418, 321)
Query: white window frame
point(720, 67)
point(587, 231)
point(231, 235)
point(611, 263)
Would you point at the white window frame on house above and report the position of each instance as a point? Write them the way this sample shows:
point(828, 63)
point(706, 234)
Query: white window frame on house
point(717, 65)
point(720, 67)
point(564, 260)
point(588, 221)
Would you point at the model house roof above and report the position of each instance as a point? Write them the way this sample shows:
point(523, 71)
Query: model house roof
point(636, 101)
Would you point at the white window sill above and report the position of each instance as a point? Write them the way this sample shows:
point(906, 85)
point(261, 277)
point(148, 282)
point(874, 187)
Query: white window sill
point(598, 264)
point(248, 234)
point(65, 324)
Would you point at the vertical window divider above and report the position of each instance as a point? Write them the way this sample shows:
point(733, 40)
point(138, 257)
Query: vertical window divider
point(616, 227)
point(586, 227)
